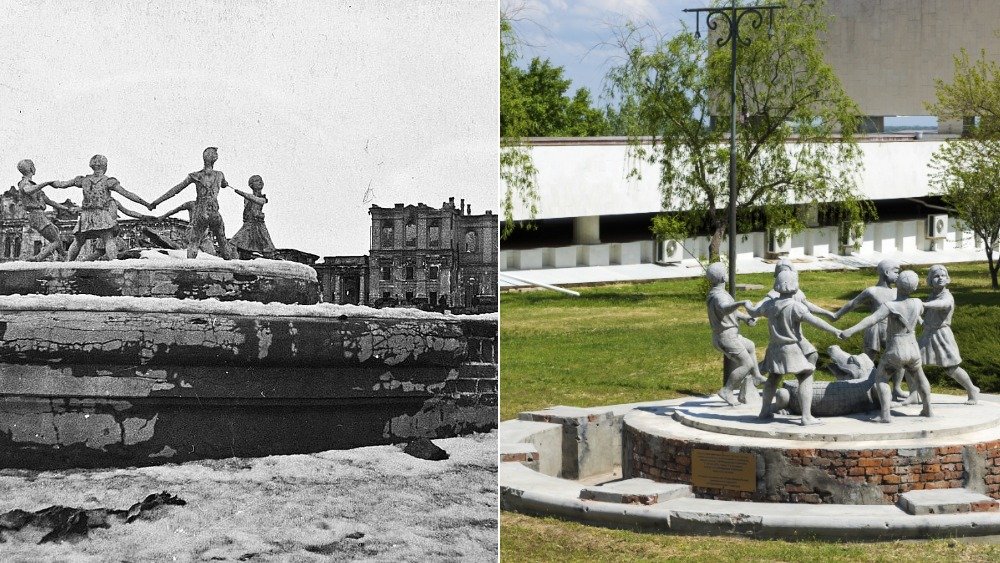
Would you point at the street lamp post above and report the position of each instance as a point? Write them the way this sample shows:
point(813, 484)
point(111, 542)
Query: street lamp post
point(733, 15)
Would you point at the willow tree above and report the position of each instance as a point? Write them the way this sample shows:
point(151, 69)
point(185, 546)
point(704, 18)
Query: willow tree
point(966, 172)
point(785, 92)
point(517, 168)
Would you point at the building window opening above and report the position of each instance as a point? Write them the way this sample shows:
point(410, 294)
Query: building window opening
point(470, 241)
point(432, 297)
point(387, 273)
point(434, 233)
point(432, 273)
point(409, 297)
point(409, 272)
point(410, 232)
point(385, 295)
point(387, 234)
point(38, 247)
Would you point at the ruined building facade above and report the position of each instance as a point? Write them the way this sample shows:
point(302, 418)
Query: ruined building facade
point(420, 256)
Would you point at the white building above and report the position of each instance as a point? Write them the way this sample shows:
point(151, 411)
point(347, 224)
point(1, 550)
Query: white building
point(591, 214)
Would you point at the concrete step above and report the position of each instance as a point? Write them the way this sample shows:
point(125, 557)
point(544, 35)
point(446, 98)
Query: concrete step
point(946, 501)
point(636, 491)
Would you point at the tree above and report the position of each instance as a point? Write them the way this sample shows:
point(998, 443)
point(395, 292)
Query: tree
point(784, 92)
point(966, 172)
point(517, 169)
point(973, 92)
point(534, 102)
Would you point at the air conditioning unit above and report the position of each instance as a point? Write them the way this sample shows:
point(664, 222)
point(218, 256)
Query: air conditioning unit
point(937, 226)
point(779, 242)
point(849, 243)
point(669, 252)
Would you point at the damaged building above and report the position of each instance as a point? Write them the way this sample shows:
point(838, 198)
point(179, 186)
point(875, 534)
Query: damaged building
point(420, 256)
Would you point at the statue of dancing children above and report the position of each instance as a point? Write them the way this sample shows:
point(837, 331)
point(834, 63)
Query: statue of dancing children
point(784, 355)
point(253, 236)
point(35, 202)
point(96, 217)
point(874, 297)
point(785, 265)
point(724, 320)
point(205, 214)
point(901, 350)
point(937, 343)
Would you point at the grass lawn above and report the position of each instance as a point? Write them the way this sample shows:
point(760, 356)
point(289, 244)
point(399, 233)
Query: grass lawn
point(635, 342)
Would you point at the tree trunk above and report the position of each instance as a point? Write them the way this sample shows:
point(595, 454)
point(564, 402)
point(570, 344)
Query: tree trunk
point(715, 244)
point(993, 265)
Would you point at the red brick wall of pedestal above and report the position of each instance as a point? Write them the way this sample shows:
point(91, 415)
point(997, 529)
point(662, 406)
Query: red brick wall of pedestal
point(816, 476)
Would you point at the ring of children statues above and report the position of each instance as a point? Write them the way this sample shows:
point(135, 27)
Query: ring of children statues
point(776, 452)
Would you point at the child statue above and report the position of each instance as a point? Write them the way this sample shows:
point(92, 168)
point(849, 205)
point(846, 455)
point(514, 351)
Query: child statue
point(253, 236)
point(205, 215)
point(937, 342)
point(874, 297)
point(808, 349)
point(35, 202)
point(901, 351)
point(97, 219)
point(784, 355)
point(723, 316)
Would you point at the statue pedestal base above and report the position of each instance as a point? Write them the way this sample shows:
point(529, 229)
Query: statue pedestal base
point(845, 460)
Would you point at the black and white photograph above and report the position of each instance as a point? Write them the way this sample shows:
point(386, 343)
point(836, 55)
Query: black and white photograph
point(249, 280)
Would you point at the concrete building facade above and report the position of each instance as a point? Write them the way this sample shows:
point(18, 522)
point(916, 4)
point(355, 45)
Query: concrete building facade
point(887, 53)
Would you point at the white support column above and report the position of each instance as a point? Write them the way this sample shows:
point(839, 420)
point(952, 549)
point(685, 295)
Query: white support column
point(587, 230)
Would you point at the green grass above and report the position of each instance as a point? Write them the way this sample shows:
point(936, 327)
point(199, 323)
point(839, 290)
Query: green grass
point(526, 538)
point(636, 342)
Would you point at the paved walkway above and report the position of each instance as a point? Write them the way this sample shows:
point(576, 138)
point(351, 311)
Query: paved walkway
point(691, 268)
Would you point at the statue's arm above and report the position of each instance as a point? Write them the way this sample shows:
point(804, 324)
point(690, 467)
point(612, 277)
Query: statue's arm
point(872, 319)
point(30, 189)
point(118, 188)
point(176, 210)
point(251, 197)
point(171, 192)
point(128, 212)
point(60, 184)
point(54, 204)
point(938, 304)
point(853, 304)
point(819, 323)
point(817, 310)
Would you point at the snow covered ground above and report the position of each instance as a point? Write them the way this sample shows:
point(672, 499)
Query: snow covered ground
point(373, 503)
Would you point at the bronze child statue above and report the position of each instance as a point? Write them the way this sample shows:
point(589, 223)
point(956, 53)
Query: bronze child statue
point(35, 201)
point(205, 215)
point(253, 238)
point(97, 219)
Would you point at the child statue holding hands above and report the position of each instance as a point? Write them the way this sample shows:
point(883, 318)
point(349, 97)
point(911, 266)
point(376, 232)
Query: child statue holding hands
point(785, 315)
point(724, 317)
point(901, 351)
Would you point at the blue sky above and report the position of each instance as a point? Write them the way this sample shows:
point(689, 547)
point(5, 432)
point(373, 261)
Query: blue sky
point(578, 35)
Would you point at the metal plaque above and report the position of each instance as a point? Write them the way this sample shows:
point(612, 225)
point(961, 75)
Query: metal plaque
point(715, 469)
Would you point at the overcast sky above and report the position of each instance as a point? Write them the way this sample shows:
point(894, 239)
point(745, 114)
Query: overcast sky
point(338, 105)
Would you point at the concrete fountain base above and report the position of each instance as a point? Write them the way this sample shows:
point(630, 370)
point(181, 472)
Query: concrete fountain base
point(631, 466)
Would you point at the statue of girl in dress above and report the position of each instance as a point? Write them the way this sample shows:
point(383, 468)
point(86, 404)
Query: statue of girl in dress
point(253, 238)
point(937, 342)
